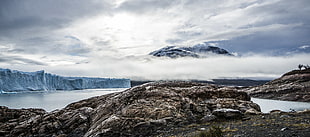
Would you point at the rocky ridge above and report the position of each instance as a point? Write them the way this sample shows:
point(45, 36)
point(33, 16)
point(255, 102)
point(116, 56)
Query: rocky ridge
point(145, 110)
point(292, 86)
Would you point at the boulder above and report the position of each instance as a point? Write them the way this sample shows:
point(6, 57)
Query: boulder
point(227, 113)
point(139, 111)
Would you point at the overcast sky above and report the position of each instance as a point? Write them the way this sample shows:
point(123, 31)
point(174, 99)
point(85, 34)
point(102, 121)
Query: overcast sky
point(112, 38)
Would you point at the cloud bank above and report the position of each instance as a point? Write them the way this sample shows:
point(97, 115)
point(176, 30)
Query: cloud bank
point(107, 38)
point(150, 68)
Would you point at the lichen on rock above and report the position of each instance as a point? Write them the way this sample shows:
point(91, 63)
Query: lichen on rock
point(292, 86)
point(139, 111)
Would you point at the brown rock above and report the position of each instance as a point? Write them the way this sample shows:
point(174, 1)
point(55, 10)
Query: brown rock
point(227, 113)
point(138, 111)
point(292, 86)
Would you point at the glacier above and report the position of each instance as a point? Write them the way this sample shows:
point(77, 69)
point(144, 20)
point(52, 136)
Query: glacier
point(13, 80)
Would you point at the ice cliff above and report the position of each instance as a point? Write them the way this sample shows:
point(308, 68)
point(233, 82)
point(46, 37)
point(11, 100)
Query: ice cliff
point(13, 80)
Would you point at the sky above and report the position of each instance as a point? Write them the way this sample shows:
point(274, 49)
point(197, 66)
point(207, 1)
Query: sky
point(112, 38)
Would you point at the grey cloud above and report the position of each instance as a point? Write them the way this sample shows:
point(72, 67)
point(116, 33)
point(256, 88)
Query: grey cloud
point(100, 41)
point(73, 49)
point(29, 61)
point(79, 51)
point(183, 69)
point(29, 25)
point(268, 43)
point(76, 48)
point(251, 35)
point(17, 14)
point(48, 46)
point(284, 12)
point(16, 51)
point(19, 60)
point(31, 45)
point(72, 37)
point(174, 41)
point(145, 6)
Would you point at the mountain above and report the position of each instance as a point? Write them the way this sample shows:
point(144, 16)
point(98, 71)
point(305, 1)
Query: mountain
point(13, 80)
point(196, 51)
point(173, 52)
point(292, 86)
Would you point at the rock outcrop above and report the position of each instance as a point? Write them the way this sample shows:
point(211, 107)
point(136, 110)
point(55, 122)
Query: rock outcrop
point(292, 86)
point(144, 110)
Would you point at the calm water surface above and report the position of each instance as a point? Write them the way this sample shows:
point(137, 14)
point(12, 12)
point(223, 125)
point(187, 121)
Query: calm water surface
point(267, 105)
point(51, 100)
point(59, 99)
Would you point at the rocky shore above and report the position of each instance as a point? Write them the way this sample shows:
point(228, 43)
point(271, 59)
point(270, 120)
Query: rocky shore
point(292, 86)
point(170, 109)
point(146, 110)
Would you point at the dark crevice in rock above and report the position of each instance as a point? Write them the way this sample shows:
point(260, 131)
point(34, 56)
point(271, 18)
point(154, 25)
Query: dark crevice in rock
point(144, 110)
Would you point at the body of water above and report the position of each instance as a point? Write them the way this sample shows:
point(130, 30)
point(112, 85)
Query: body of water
point(51, 100)
point(267, 105)
point(59, 99)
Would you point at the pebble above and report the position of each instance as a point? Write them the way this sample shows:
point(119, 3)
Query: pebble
point(285, 116)
point(202, 129)
point(285, 128)
point(246, 118)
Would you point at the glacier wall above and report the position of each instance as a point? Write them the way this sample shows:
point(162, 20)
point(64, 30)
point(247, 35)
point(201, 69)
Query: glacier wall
point(13, 80)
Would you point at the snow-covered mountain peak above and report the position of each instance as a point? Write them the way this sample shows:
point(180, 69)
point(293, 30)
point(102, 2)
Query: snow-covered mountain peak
point(173, 52)
point(199, 50)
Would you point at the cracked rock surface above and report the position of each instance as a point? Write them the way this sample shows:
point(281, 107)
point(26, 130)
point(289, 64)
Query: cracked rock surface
point(292, 86)
point(143, 110)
